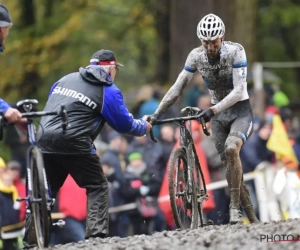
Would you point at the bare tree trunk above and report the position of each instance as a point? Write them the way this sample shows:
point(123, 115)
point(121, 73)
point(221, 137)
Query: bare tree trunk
point(48, 8)
point(31, 79)
point(183, 25)
point(243, 21)
point(27, 13)
point(162, 17)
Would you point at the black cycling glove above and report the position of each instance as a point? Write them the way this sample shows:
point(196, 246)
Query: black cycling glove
point(152, 118)
point(207, 114)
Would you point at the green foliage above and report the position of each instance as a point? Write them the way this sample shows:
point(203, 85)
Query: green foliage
point(65, 33)
point(278, 34)
point(63, 42)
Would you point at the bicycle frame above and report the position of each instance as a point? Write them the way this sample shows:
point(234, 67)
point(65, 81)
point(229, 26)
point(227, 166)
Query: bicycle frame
point(32, 139)
point(186, 140)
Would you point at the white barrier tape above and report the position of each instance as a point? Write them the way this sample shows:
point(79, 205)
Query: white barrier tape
point(214, 185)
point(210, 186)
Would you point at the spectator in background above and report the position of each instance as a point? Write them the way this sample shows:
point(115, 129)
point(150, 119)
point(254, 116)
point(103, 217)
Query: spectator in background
point(253, 153)
point(152, 154)
point(100, 146)
point(14, 169)
point(2, 167)
point(18, 144)
point(141, 186)
point(114, 155)
point(72, 203)
point(287, 116)
point(296, 147)
point(11, 227)
point(167, 140)
point(146, 102)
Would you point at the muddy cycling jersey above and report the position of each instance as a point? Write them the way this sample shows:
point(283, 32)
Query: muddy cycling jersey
point(224, 77)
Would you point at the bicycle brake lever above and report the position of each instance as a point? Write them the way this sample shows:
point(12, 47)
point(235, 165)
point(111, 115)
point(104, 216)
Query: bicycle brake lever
point(205, 130)
point(151, 131)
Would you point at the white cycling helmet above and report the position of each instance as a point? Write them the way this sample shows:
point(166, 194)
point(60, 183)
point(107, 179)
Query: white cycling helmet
point(210, 28)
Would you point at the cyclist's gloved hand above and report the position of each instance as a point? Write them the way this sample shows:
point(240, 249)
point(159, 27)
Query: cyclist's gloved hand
point(144, 190)
point(207, 114)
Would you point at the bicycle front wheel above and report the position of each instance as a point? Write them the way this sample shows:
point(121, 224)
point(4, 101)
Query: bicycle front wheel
point(183, 201)
point(38, 193)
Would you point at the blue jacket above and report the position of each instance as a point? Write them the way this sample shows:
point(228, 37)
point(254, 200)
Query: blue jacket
point(4, 106)
point(91, 99)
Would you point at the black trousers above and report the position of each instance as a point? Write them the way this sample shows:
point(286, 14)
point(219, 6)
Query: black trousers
point(87, 172)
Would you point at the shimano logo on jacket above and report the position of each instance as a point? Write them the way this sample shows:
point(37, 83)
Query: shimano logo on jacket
point(74, 94)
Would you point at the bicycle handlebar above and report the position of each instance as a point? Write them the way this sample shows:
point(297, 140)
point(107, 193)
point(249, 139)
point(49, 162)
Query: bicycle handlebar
point(62, 113)
point(178, 119)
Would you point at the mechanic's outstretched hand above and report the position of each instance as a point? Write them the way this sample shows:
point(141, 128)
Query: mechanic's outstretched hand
point(149, 126)
point(13, 115)
point(207, 114)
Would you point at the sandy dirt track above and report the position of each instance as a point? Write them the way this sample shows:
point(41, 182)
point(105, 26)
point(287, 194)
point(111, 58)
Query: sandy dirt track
point(248, 237)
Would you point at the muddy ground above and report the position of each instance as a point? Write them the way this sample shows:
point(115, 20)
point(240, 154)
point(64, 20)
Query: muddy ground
point(229, 237)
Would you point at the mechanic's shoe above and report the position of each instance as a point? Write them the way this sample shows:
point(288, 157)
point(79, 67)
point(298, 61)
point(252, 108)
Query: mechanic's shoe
point(235, 216)
point(251, 214)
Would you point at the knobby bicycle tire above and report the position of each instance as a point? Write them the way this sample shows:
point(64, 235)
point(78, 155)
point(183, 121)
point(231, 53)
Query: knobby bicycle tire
point(38, 190)
point(176, 155)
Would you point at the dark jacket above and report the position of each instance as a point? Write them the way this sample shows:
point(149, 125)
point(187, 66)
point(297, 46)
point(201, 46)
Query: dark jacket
point(153, 156)
point(147, 178)
point(254, 152)
point(111, 158)
point(10, 224)
point(91, 99)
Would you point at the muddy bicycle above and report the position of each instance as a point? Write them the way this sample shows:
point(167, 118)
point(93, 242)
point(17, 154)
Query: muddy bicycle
point(38, 195)
point(187, 189)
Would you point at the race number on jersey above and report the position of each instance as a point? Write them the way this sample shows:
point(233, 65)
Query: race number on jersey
point(242, 72)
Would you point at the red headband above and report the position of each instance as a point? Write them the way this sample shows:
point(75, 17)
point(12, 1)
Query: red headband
point(107, 63)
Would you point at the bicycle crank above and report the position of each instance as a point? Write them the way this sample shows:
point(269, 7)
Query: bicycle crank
point(60, 223)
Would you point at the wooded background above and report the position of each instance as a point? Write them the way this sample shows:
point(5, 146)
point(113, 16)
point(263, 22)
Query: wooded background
point(51, 38)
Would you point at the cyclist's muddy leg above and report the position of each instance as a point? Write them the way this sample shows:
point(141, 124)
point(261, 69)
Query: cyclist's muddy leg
point(247, 204)
point(234, 175)
point(29, 239)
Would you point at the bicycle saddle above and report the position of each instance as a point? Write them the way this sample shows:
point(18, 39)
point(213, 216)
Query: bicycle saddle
point(190, 110)
point(27, 102)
